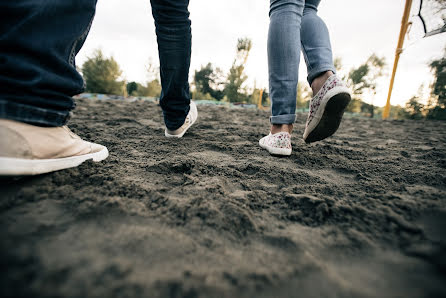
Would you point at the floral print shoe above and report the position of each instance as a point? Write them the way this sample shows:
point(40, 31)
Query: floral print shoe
point(277, 144)
point(326, 110)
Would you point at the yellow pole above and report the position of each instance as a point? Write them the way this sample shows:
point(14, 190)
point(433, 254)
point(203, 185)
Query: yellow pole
point(399, 50)
point(259, 105)
point(125, 89)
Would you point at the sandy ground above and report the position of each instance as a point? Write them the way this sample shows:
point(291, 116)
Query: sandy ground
point(361, 214)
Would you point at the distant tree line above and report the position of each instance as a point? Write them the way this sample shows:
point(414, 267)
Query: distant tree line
point(103, 75)
point(362, 81)
point(435, 107)
point(213, 84)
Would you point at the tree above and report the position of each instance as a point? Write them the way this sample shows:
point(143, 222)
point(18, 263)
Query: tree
point(414, 109)
point(236, 77)
point(363, 80)
point(367, 109)
point(101, 74)
point(131, 88)
point(437, 109)
point(151, 89)
point(303, 95)
point(209, 81)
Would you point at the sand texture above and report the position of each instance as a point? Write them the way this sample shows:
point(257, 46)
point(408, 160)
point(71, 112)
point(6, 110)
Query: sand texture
point(361, 214)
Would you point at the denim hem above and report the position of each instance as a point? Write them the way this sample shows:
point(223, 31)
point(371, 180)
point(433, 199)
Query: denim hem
point(314, 73)
point(174, 124)
point(283, 119)
point(32, 115)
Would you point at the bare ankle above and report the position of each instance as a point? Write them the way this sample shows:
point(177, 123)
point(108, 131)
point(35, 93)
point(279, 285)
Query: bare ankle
point(318, 82)
point(276, 128)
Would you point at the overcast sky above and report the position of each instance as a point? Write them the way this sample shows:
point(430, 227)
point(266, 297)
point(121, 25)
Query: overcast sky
point(125, 30)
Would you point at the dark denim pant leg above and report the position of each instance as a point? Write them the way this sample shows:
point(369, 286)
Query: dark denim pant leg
point(173, 30)
point(38, 44)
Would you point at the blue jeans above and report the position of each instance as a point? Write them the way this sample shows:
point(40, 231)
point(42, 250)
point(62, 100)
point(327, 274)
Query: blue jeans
point(294, 25)
point(39, 41)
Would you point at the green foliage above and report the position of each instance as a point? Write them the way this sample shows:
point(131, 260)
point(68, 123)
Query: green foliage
point(200, 96)
point(438, 67)
point(208, 81)
point(132, 87)
point(367, 109)
point(396, 112)
point(436, 108)
point(303, 95)
point(151, 89)
point(265, 98)
point(235, 80)
point(236, 77)
point(413, 109)
point(363, 80)
point(101, 75)
point(437, 113)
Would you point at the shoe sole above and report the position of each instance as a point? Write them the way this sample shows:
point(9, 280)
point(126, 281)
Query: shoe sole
point(166, 134)
point(25, 167)
point(331, 119)
point(276, 151)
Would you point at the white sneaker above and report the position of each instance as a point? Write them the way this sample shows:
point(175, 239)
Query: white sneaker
point(326, 110)
point(190, 120)
point(277, 144)
point(30, 150)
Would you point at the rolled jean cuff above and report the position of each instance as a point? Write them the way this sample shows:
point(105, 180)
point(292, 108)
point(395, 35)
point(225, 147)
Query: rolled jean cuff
point(32, 115)
point(314, 73)
point(283, 119)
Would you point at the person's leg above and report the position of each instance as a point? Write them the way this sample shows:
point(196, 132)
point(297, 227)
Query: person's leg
point(283, 66)
point(173, 30)
point(283, 59)
point(38, 44)
point(316, 46)
point(331, 96)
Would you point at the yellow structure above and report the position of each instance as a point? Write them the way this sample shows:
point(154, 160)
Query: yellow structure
point(399, 50)
point(124, 91)
point(259, 105)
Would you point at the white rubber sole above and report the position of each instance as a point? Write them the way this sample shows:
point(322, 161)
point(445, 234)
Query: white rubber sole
point(276, 151)
point(192, 106)
point(24, 167)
